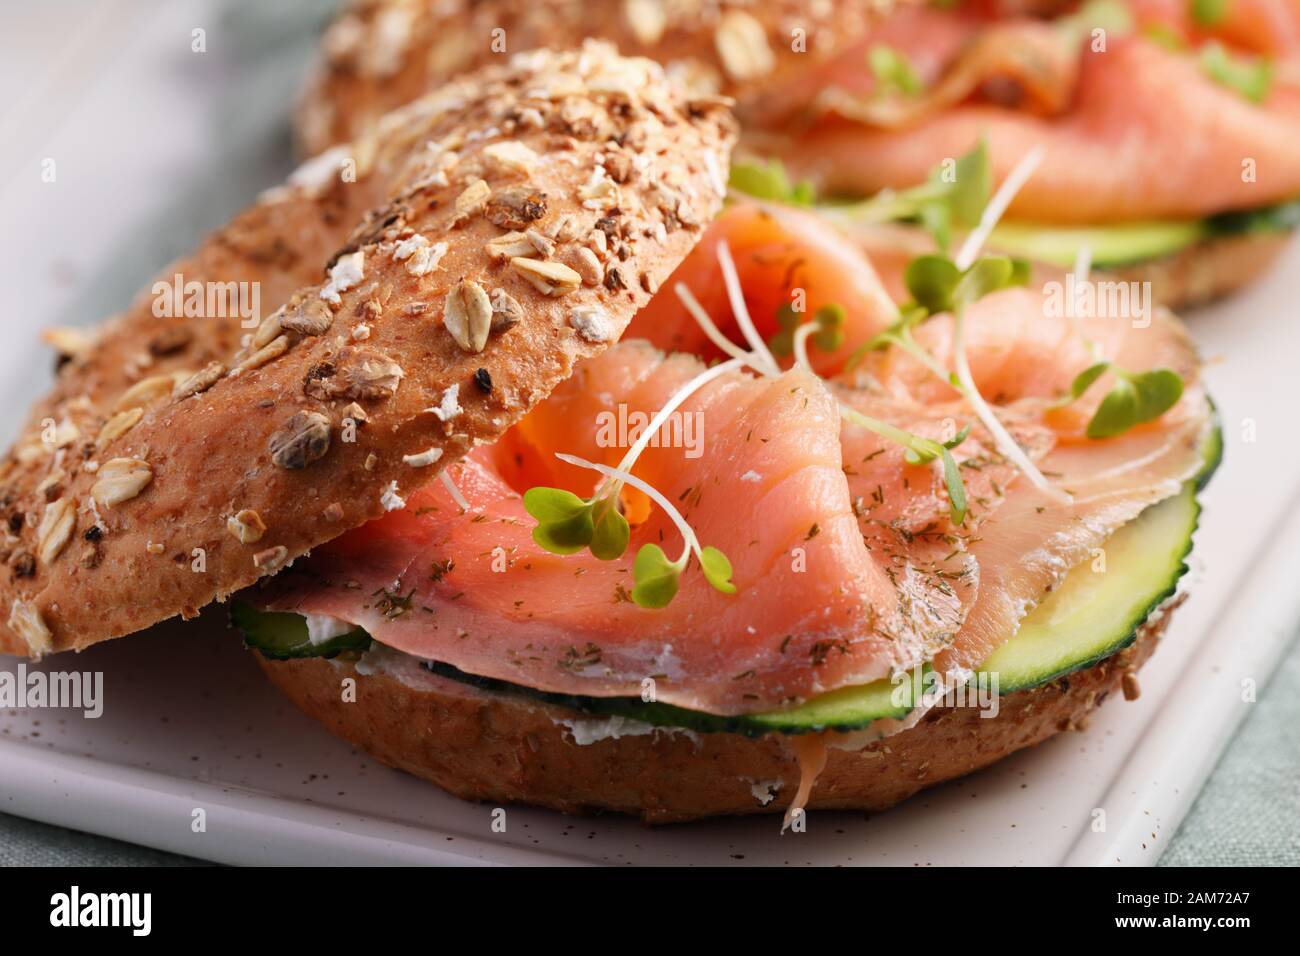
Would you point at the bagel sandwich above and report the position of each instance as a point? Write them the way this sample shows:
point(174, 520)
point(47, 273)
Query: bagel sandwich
point(835, 633)
point(444, 483)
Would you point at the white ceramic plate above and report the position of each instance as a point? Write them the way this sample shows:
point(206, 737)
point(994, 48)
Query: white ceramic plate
point(190, 724)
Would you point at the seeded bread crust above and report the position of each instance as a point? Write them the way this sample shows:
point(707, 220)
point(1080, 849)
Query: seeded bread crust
point(565, 188)
point(509, 749)
point(380, 54)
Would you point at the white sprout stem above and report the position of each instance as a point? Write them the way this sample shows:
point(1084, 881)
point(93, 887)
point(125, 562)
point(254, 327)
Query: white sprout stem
point(1082, 270)
point(1001, 436)
point(970, 248)
point(736, 296)
point(618, 475)
point(921, 355)
point(670, 406)
point(711, 330)
point(1008, 445)
point(461, 501)
point(1082, 264)
point(885, 206)
point(800, 341)
point(800, 345)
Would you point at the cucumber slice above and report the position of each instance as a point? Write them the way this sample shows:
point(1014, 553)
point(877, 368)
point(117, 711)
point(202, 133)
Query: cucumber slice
point(1127, 243)
point(1212, 452)
point(1118, 245)
point(1093, 614)
point(845, 709)
point(848, 708)
point(281, 636)
point(1087, 618)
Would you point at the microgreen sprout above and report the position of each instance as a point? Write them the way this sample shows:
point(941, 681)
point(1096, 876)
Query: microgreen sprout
point(657, 579)
point(736, 297)
point(899, 335)
point(919, 451)
point(567, 524)
point(1135, 398)
point(1249, 77)
point(827, 325)
point(892, 70)
point(1208, 13)
point(826, 329)
point(956, 285)
point(769, 180)
point(953, 196)
point(994, 209)
point(711, 330)
point(939, 285)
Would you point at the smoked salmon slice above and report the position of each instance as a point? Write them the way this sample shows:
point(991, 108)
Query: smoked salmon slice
point(846, 558)
point(817, 608)
point(788, 257)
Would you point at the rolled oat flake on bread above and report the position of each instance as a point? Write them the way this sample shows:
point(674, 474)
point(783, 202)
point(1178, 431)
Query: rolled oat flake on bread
point(165, 476)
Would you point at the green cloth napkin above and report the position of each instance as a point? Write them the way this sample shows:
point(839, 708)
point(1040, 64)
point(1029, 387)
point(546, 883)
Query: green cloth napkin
point(1248, 811)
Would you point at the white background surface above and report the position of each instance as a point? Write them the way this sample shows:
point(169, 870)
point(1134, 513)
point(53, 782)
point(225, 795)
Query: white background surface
point(154, 146)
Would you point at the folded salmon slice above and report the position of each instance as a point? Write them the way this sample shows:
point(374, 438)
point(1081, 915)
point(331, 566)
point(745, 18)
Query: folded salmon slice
point(817, 608)
point(1023, 358)
point(788, 257)
point(1136, 132)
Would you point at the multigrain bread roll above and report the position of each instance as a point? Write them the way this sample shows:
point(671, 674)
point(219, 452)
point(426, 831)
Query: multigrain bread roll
point(484, 745)
point(526, 214)
point(380, 54)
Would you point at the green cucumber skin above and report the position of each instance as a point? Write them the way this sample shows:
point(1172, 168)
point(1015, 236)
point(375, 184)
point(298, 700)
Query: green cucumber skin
point(1214, 449)
point(669, 716)
point(1282, 217)
point(659, 715)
